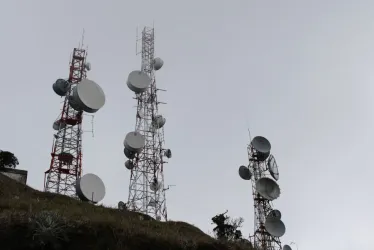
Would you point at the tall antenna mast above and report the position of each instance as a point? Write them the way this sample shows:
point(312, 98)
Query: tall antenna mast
point(144, 147)
point(268, 226)
point(66, 163)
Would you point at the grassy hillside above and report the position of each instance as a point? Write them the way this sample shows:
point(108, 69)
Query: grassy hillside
point(30, 219)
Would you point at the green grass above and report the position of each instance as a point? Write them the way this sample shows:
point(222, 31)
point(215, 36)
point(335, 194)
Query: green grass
point(30, 219)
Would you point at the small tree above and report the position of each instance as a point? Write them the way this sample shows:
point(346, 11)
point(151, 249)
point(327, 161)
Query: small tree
point(227, 228)
point(8, 160)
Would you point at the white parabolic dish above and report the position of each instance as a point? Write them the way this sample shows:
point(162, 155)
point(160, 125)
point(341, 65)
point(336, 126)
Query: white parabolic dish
point(286, 247)
point(134, 141)
point(138, 81)
point(268, 188)
point(275, 227)
point(89, 96)
point(90, 188)
point(261, 144)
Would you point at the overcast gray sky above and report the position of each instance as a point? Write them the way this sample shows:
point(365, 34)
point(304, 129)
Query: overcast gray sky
point(298, 72)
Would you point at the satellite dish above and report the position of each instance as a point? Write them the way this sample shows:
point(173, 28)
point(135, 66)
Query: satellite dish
point(121, 205)
point(90, 188)
point(138, 81)
point(134, 141)
point(275, 214)
point(58, 125)
point(129, 165)
point(129, 154)
point(87, 66)
point(158, 122)
point(167, 153)
point(286, 247)
point(87, 96)
point(273, 167)
point(262, 147)
point(155, 185)
point(275, 227)
point(244, 173)
point(268, 188)
point(61, 87)
point(157, 63)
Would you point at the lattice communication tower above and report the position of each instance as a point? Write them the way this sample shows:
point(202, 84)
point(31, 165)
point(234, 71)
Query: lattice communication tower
point(66, 163)
point(144, 147)
point(268, 227)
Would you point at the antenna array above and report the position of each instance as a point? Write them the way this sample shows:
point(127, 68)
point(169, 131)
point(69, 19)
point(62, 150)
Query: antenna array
point(144, 147)
point(268, 224)
point(80, 95)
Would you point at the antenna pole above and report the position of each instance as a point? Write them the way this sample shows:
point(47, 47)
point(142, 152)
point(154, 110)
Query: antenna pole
point(66, 162)
point(146, 188)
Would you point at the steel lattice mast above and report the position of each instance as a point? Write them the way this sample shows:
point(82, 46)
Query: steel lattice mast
point(262, 207)
point(148, 165)
point(268, 226)
point(66, 162)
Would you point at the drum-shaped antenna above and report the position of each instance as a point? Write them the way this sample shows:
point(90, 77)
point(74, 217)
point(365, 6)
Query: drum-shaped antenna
point(134, 141)
point(58, 125)
point(275, 214)
point(262, 147)
point(244, 173)
point(268, 188)
point(158, 121)
point(87, 66)
point(121, 206)
point(129, 154)
point(90, 188)
point(155, 185)
point(87, 96)
point(273, 167)
point(138, 81)
point(286, 247)
point(275, 227)
point(167, 153)
point(61, 87)
point(129, 165)
point(157, 63)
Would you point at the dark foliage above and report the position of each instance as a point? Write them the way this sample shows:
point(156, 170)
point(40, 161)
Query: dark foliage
point(8, 160)
point(227, 228)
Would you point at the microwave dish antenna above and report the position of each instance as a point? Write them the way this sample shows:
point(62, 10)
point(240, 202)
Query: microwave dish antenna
point(273, 167)
point(90, 188)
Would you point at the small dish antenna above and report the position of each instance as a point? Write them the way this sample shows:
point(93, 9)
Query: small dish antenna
point(157, 63)
point(129, 154)
point(58, 125)
point(275, 214)
point(87, 66)
point(134, 141)
point(268, 188)
point(244, 173)
point(87, 96)
point(275, 227)
point(90, 188)
point(129, 165)
point(138, 81)
point(158, 122)
point(121, 206)
point(273, 167)
point(155, 185)
point(61, 87)
point(262, 147)
point(167, 153)
point(286, 247)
